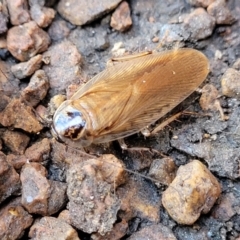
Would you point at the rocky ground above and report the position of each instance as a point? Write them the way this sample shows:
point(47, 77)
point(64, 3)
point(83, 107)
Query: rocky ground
point(186, 187)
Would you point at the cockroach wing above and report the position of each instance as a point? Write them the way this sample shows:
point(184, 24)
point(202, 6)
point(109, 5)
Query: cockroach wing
point(140, 91)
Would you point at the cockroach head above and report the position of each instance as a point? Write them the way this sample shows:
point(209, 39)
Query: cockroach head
point(68, 124)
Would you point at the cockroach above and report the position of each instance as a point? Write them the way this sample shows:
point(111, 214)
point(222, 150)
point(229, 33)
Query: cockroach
point(128, 96)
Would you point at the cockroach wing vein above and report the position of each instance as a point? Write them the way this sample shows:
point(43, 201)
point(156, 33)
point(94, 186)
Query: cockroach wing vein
point(130, 96)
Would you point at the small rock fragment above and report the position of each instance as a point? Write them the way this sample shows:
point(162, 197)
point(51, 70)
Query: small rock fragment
point(117, 50)
point(236, 65)
point(71, 89)
point(17, 161)
point(18, 115)
point(112, 169)
point(25, 69)
point(199, 24)
point(226, 208)
point(58, 30)
point(52, 228)
point(39, 151)
point(9, 179)
point(173, 33)
point(101, 41)
point(9, 85)
point(3, 17)
point(201, 3)
point(139, 200)
point(58, 196)
point(65, 216)
point(220, 12)
point(82, 12)
point(18, 11)
point(218, 55)
point(35, 188)
point(209, 100)
point(43, 16)
point(153, 232)
point(15, 141)
point(163, 170)
point(119, 230)
point(230, 83)
point(14, 220)
point(3, 42)
point(63, 156)
point(4, 102)
point(36, 89)
point(92, 205)
point(155, 39)
point(63, 68)
point(27, 40)
point(121, 18)
point(192, 192)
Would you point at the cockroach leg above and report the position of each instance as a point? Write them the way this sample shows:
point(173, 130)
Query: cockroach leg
point(165, 123)
point(116, 60)
point(124, 147)
point(130, 57)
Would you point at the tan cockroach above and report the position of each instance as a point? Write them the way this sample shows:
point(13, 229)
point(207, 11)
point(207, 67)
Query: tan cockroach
point(128, 96)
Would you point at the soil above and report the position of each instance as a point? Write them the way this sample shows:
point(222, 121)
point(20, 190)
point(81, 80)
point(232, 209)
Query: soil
point(208, 130)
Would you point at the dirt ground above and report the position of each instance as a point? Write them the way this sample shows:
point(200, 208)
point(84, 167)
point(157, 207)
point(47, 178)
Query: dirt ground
point(207, 131)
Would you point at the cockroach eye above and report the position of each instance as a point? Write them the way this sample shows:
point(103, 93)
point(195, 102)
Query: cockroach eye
point(69, 123)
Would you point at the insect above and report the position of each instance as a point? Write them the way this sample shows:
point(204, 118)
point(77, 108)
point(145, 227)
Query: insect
point(125, 98)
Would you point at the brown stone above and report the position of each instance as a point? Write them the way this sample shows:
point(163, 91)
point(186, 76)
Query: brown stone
point(201, 3)
point(209, 100)
point(39, 151)
point(118, 231)
point(230, 83)
point(36, 89)
point(25, 69)
point(138, 200)
point(226, 207)
point(18, 11)
point(199, 24)
point(236, 64)
point(121, 18)
point(15, 141)
point(153, 232)
point(220, 12)
point(27, 40)
point(72, 88)
point(43, 16)
point(17, 161)
point(18, 115)
point(163, 170)
point(92, 205)
point(65, 216)
point(80, 13)
point(58, 196)
point(9, 179)
point(58, 30)
point(52, 228)
point(3, 17)
point(35, 188)
point(5, 100)
point(14, 220)
point(195, 183)
point(9, 85)
point(64, 66)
